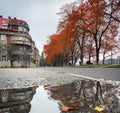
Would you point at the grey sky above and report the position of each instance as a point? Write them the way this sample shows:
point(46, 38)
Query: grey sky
point(39, 14)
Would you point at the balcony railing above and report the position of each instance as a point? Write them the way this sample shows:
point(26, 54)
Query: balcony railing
point(11, 32)
point(21, 52)
point(18, 24)
point(20, 42)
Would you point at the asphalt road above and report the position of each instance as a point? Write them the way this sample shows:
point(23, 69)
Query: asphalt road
point(99, 73)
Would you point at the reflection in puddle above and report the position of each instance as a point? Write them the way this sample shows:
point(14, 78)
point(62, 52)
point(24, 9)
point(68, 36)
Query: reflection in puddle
point(87, 97)
point(78, 97)
point(42, 104)
point(16, 100)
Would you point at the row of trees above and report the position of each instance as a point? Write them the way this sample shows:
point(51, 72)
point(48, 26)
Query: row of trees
point(87, 29)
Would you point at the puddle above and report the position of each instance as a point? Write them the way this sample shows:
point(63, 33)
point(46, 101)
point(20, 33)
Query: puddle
point(78, 97)
point(42, 103)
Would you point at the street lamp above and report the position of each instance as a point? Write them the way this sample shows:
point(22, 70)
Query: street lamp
point(35, 57)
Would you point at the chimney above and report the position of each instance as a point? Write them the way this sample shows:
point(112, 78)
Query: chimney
point(15, 18)
point(9, 17)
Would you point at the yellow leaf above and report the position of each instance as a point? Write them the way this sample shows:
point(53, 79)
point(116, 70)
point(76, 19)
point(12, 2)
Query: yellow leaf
point(98, 108)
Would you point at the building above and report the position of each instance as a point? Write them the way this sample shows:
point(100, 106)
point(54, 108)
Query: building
point(113, 60)
point(17, 49)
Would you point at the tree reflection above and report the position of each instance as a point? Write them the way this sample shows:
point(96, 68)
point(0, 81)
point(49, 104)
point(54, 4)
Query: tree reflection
point(87, 97)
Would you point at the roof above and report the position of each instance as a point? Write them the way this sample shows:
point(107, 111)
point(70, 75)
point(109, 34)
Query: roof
point(3, 21)
point(17, 20)
point(6, 20)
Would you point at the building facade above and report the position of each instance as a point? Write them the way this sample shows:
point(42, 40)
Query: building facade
point(17, 49)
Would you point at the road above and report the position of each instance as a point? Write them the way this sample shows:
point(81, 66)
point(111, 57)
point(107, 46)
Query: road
point(17, 77)
point(99, 73)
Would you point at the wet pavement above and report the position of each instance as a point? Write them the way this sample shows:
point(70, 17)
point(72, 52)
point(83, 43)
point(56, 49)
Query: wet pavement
point(81, 96)
point(21, 78)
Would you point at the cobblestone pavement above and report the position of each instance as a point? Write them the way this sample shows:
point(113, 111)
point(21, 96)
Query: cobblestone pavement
point(18, 78)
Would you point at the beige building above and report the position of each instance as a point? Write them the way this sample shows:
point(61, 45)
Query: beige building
point(17, 49)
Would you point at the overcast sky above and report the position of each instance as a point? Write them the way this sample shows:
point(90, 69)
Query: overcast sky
point(39, 14)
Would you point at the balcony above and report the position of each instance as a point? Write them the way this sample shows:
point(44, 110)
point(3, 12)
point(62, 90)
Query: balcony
point(16, 33)
point(21, 42)
point(12, 23)
point(21, 52)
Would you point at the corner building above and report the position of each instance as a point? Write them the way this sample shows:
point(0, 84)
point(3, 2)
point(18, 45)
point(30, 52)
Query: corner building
point(17, 49)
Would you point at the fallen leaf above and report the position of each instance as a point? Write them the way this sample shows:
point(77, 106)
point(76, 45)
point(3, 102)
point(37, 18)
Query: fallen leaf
point(67, 108)
point(98, 108)
point(47, 85)
point(36, 87)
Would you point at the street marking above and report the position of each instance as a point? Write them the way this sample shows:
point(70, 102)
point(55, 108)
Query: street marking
point(85, 77)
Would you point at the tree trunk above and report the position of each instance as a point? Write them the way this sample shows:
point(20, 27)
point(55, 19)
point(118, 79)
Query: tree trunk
point(97, 55)
point(97, 48)
point(89, 56)
point(11, 63)
point(103, 62)
point(82, 49)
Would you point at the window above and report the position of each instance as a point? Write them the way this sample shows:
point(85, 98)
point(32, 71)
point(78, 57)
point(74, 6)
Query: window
point(4, 26)
point(22, 48)
point(3, 47)
point(21, 38)
point(23, 29)
point(21, 58)
point(20, 28)
point(4, 58)
point(25, 48)
point(26, 30)
point(3, 37)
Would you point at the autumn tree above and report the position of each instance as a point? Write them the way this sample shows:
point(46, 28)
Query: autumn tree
point(83, 29)
point(109, 41)
point(113, 10)
point(89, 48)
point(97, 22)
point(52, 49)
point(74, 19)
point(66, 28)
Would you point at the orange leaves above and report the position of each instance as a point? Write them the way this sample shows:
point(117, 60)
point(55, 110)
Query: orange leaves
point(46, 86)
point(35, 86)
point(52, 49)
point(58, 45)
point(97, 18)
point(68, 108)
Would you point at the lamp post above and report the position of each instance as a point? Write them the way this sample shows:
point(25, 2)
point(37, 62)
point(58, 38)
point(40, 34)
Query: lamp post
point(35, 57)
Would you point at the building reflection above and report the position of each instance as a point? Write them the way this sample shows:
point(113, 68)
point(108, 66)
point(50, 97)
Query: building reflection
point(86, 97)
point(78, 97)
point(16, 100)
